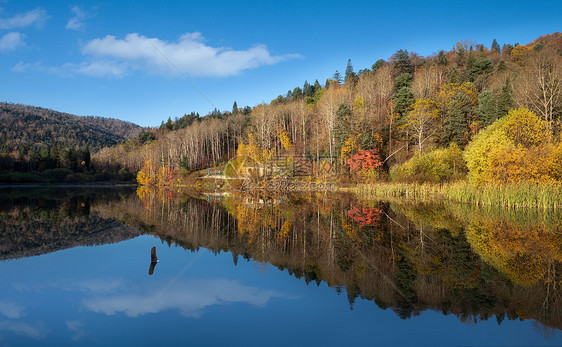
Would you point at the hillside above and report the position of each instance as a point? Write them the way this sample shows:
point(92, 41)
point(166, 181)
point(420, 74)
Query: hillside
point(409, 118)
point(25, 127)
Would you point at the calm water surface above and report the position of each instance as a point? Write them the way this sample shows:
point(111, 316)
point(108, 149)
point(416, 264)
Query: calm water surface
point(256, 270)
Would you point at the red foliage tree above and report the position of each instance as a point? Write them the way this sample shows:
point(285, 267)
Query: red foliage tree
point(365, 160)
point(365, 215)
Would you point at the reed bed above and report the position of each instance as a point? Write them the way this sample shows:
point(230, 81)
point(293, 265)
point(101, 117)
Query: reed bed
point(519, 195)
point(396, 190)
point(521, 218)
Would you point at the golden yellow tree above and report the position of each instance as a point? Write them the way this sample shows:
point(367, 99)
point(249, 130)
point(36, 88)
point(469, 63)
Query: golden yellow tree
point(147, 175)
point(515, 148)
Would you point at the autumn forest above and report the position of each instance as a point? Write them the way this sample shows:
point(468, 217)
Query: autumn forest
point(485, 114)
point(475, 114)
point(281, 173)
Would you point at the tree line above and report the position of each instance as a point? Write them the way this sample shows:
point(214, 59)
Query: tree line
point(42, 145)
point(398, 110)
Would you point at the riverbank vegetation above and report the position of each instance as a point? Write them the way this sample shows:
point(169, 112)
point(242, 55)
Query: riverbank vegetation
point(515, 195)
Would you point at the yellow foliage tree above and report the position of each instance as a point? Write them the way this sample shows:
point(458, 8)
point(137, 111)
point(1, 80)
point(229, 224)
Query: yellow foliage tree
point(285, 140)
point(252, 149)
point(448, 91)
point(359, 109)
point(514, 148)
point(146, 176)
point(350, 146)
point(520, 54)
point(525, 128)
point(554, 163)
point(510, 164)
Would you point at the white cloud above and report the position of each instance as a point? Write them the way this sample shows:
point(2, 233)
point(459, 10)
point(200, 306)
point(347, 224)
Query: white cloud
point(37, 16)
point(189, 54)
point(96, 68)
point(77, 20)
point(93, 285)
point(190, 298)
point(11, 310)
point(11, 41)
point(97, 285)
point(21, 328)
point(21, 67)
point(77, 328)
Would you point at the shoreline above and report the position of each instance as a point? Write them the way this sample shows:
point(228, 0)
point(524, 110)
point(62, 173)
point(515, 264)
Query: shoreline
point(67, 185)
point(516, 195)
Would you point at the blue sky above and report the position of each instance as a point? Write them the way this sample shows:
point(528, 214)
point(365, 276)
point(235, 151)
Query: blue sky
point(113, 59)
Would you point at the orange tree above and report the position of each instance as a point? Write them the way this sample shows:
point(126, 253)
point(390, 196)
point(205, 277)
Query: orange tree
point(366, 164)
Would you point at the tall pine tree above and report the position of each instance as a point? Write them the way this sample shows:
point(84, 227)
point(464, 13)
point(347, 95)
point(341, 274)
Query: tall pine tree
point(403, 80)
point(496, 46)
point(404, 99)
point(494, 104)
point(307, 89)
point(377, 65)
point(349, 73)
point(342, 130)
point(505, 99)
point(457, 121)
point(337, 76)
point(317, 86)
point(401, 61)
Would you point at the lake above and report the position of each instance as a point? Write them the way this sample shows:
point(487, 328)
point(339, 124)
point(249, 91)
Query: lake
point(306, 269)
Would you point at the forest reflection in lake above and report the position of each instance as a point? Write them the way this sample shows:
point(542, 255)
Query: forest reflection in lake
point(479, 265)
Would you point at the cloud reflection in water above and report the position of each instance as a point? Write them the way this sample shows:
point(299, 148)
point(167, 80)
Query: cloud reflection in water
point(25, 329)
point(189, 298)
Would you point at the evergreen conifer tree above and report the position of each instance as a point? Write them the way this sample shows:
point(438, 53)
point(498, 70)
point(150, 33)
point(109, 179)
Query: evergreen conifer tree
point(317, 86)
point(496, 46)
point(349, 73)
point(403, 81)
point(341, 126)
point(377, 65)
point(441, 58)
point(337, 76)
point(401, 61)
point(404, 99)
point(307, 89)
point(505, 99)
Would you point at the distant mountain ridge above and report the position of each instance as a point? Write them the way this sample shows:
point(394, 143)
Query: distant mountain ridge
point(27, 127)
